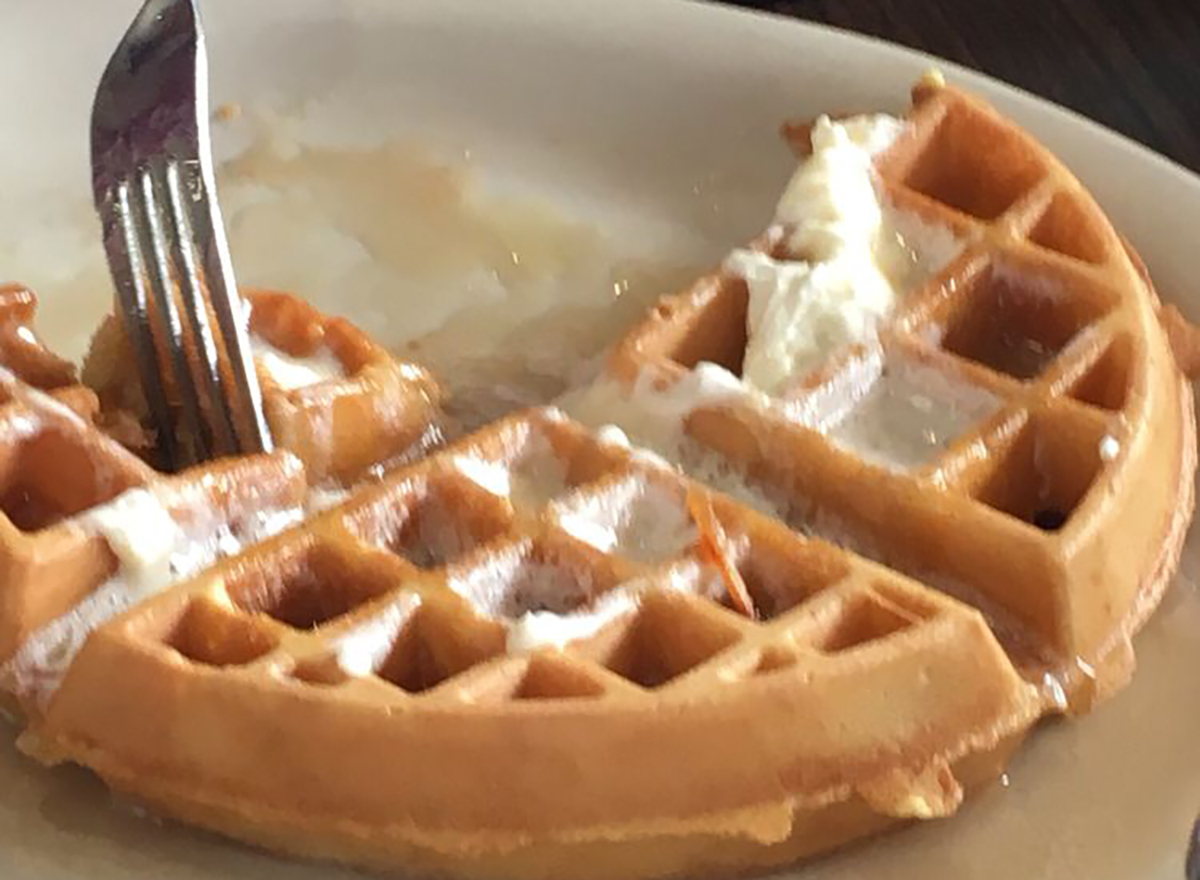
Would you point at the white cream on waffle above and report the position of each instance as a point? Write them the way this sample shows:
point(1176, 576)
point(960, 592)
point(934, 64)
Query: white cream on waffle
point(534, 480)
point(546, 629)
point(652, 415)
point(155, 549)
point(850, 257)
point(641, 521)
point(650, 421)
point(855, 257)
point(538, 629)
point(893, 410)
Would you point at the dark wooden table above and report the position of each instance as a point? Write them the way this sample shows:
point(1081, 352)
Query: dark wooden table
point(1133, 65)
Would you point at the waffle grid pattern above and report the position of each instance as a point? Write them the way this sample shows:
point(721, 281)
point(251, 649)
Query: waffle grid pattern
point(364, 686)
point(1034, 311)
point(364, 589)
point(54, 465)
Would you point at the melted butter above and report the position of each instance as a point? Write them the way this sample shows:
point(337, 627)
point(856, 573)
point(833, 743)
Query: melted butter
point(504, 295)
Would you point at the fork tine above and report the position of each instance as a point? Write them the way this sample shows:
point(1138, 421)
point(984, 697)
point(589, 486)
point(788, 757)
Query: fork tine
point(217, 266)
point(129, 274)
point(162, 285)
point(151, 112)
point(217, 275)
point(222, 418)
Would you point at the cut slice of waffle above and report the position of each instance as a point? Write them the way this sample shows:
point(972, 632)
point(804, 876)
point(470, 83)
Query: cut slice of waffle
point(332, 395)
point(348, 688)
point(1059, 501)
point(56, 466)
point(56, 470)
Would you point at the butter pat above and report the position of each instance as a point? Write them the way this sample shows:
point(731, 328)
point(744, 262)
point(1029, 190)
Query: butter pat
point(801, 312)
point(140, 532)
point(851, 257)
point(153, 552)
point(831, 201)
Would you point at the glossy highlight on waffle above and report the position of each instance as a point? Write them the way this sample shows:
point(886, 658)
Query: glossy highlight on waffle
point(539, 651)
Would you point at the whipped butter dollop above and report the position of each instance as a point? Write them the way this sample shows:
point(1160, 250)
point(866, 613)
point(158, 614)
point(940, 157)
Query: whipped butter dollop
point(141, 533)
point(850, 260)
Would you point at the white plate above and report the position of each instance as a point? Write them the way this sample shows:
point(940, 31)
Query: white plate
point(650, 127)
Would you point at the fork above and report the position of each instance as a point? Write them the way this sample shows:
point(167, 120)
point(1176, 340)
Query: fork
point(155, 192)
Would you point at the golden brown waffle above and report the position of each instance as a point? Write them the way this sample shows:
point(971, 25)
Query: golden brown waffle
point(272, 688)
point(521, 657)
point(1062, 513)
point(383, 410)
point(55, 465)
point(60, 459)
point(377, 411)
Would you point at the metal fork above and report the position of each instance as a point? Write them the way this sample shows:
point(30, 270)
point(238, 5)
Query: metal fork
point(155, 192)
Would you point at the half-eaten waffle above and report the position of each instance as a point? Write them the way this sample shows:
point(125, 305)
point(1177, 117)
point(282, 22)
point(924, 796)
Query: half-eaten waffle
point(541, 653)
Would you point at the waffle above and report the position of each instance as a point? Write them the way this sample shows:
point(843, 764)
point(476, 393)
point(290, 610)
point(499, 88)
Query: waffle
point(384, 628)
point(541, 653)
point(63, 468)
point(55, 463)
point(1060, 506)
point(58, 467)
point(331, 395)
point(22, 350)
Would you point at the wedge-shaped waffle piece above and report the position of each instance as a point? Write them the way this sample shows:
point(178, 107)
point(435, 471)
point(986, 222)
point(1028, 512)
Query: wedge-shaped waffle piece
point(1020, 437)
point(60, 477)
point(530, 655)
point(366, 687)
point(332, 395)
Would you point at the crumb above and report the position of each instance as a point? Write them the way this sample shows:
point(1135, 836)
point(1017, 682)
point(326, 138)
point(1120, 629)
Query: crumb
point(933, 79)
point(227, 112)
point(798, 136)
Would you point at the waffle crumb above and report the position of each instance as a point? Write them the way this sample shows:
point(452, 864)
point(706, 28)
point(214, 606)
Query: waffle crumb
point(228, 112)
point(933, 79)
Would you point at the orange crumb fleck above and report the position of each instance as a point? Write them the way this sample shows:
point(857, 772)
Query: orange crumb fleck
point(713, 547)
